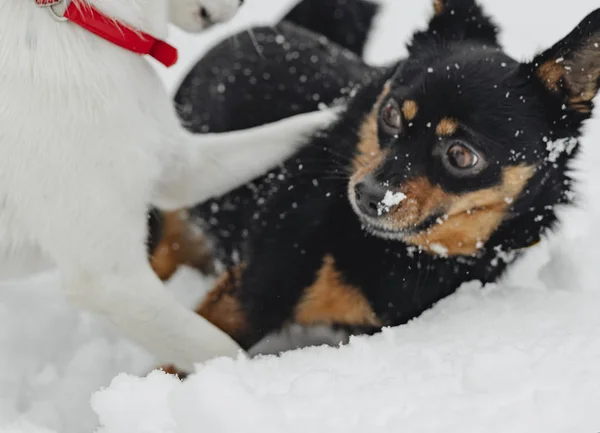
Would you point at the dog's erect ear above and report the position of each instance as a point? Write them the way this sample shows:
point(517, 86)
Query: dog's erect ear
point(458, 20)
point(570, 70)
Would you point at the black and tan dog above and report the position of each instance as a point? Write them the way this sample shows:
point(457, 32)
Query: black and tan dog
point(442, 170)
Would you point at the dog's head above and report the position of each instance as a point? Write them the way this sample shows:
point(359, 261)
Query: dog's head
point(195, 15)
point(462, 137)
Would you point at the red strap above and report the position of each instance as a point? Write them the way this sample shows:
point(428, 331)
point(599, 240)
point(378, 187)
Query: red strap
point(91, 19)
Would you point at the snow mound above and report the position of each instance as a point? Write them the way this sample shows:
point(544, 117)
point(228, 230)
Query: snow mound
point(529, 365)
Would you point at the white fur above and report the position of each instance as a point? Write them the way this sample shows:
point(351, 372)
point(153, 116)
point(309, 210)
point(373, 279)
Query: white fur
point(89, 140)
point(187, 15)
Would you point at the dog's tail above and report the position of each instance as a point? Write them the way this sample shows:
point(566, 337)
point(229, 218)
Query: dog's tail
point(346, 22)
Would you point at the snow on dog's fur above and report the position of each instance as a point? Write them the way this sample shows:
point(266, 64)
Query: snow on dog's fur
point(90, 140)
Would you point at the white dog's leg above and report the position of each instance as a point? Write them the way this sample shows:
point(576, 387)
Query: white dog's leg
point(103, 262)
point(140, 307)
point(201, 166)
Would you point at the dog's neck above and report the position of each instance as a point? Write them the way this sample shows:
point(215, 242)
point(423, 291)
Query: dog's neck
point(51, 64)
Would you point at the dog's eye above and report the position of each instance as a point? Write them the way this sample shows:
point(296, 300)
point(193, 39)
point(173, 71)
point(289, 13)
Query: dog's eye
point(391, 117)
point(461, 157)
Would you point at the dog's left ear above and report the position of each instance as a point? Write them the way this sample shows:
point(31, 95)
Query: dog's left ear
point(570, 70)
point(458, 20)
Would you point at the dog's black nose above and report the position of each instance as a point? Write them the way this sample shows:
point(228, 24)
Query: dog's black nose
point(241, 2)
point(205, 15)
point(370, 195)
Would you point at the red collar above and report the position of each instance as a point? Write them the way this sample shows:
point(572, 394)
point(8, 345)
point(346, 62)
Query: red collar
point(91, 19)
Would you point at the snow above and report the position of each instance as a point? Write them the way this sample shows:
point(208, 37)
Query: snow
point(513, 372)
point(556, 147)
point(439, 249)
point(520, 356)
point(390, 199)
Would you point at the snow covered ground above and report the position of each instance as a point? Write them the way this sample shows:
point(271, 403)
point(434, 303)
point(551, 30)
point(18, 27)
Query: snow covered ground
point(522, 356)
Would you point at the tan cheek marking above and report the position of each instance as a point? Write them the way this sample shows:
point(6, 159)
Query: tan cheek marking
point(472, 218)
point(366, 166)
point(370, 155)
point(331, 301)
point(446, 127)
point(514, 180)
point(222, 308)
point(410, 109)
point(422, 199)
point(369, 141)
point(180, 245)
point(462, 234)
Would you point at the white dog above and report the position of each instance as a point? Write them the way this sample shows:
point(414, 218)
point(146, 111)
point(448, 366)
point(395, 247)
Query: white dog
point(89, 140)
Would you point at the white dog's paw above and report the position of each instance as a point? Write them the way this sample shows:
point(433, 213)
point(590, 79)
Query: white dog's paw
point(311, 122)
point(194, 16)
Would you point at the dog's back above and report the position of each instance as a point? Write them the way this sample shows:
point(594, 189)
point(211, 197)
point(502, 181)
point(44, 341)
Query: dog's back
point(308, 60)
point(279, 72)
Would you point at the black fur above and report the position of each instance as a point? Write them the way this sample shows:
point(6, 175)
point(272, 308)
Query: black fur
point(241, 78)
point(155, 228)
point(246, 90)
point(283, 224)
point(344, 22)
point(236, 83)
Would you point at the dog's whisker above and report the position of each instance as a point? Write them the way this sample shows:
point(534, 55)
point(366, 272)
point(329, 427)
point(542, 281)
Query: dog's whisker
point(343, 157)
point(277, 32)
point(235, 42)
point(255, 43)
